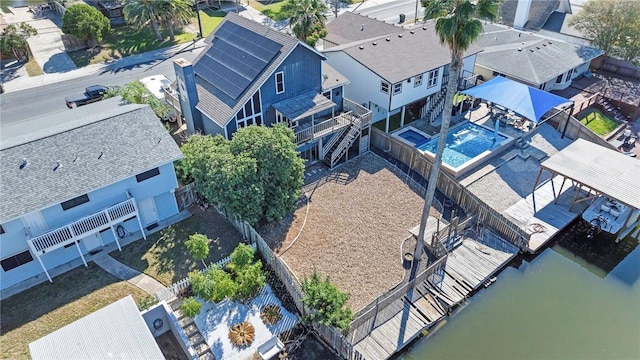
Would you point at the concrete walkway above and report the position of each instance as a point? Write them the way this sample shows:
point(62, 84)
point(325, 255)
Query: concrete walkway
point(132, 276)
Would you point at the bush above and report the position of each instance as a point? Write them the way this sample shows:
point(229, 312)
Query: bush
point(190, 307)
point(327, 302)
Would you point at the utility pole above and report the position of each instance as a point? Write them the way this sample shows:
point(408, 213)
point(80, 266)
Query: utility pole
point(199, 22)
point(416, 19)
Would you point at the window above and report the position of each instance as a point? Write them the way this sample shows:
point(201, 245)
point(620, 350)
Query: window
point(397, 88)
point(279, 82)
point(14, 261)
point(147, 175)
point(384, 87)
point(417, 81)
point(327, 94)
point(568, 77)
point(250, 113)
point(433, 78)
point(559, 79)
point(69, 204)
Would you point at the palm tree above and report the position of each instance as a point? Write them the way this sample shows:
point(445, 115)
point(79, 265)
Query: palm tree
point(143, 12)
point(458, 26)
point(307, 19)
point(174, 12)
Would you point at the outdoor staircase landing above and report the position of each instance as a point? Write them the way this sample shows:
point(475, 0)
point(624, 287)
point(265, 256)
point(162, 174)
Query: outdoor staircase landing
point(343, 143)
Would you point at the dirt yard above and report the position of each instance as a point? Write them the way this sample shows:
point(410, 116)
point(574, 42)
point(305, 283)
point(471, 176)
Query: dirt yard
point(359, 214)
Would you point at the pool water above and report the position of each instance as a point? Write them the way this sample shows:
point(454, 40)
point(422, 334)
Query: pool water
point(464, 143)
point(413, 136)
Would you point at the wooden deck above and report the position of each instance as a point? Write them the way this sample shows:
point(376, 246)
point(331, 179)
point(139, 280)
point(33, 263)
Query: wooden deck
point(550, 217)
point(468, 266)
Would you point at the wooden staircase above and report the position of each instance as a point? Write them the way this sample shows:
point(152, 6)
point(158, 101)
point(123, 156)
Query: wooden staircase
point(196, 340)
point(611, 109)
point(436, 106)
point(343, 142)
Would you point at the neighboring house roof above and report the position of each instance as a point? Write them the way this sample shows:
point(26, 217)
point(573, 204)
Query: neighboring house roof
point(528, 57)
point(331, 78)
point(403, 54)
point(247, 44)
point(349, 27)
point(539, 12)
point(559, 21)
point(96, 145)
point(115, 331)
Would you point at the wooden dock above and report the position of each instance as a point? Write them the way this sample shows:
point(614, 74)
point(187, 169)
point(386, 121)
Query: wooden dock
point(468, 266)
point(550, 216)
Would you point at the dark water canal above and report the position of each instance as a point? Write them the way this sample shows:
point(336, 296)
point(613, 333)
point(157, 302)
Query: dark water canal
point(552, 306)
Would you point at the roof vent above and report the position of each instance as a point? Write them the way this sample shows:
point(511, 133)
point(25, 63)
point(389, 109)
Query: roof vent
point(519, 34)
point(374, 43)
point(531, 50)
point(543, 44)
point(100, 157)
point(76, 158)
point(159, 140)
point(519, 49)
point(24, 163)
point(412, 32)
point(400, 35)
point(424, 28)
point(388, 39)
point(550, 42)
point(538, 47)
point(57, 165)
point(362, 27)
point(361, 47)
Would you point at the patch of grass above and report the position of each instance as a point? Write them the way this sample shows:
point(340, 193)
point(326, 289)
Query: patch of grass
point(394, 122)
point(32, 67)
point(164, 256)
point(124, 41)
point(270, 9)
point(35, 312)
point(210, 19)
point(598, 122)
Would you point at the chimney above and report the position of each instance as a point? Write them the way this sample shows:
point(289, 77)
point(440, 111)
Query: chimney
point(522, 14)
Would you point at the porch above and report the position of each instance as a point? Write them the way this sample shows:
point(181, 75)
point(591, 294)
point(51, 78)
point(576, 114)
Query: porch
point(68, 235)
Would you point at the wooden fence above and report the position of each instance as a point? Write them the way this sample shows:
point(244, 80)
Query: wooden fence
point(416, 161)
point(578, 107)
point(572, 128)
point(185, 196)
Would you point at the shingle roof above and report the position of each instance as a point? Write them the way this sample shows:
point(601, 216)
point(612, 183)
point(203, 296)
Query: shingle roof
point(539, 12)
point(403, 54)
point(331, 77)
point(130, 138)
point(349, 27)
point(528, 57)
point(216, 104)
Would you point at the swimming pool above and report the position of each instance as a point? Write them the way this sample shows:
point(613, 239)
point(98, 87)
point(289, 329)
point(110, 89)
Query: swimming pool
point(467, 145)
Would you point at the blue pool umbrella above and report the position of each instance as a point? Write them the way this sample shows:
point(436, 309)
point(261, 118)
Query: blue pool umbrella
point(529, 102)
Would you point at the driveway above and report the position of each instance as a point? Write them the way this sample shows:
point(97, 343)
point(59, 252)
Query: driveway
point(47, 47)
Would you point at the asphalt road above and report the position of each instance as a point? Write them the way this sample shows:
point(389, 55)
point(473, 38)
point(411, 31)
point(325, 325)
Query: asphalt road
point(390, 11)
point(21, 105)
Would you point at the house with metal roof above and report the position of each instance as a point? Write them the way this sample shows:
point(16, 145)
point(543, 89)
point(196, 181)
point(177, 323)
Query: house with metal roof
point(393, 70)
point(251, 74)
point(76, 182)
point(537, 61)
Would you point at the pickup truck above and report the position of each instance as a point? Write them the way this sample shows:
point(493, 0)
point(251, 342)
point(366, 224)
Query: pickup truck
point(91, 94)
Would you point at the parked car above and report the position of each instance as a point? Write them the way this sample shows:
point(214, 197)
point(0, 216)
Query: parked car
point(91, 94)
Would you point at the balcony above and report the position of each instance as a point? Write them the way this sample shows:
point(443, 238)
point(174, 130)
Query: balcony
point(310, 131)
point(171, 97)
point(81, 228)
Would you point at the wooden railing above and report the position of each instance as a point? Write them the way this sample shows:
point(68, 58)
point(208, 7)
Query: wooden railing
point(78, 229)
point(322, 129)
point(358, 110)
point(171, 98)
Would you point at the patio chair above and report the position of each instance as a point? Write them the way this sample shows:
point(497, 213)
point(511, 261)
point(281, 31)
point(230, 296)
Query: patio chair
point(270, 348)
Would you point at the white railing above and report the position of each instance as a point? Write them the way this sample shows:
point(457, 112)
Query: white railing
point(321, 129)
point(78, 229)
point(346, 141)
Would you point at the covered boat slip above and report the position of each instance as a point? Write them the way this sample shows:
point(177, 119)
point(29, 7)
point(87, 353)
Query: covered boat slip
point(598, 171)
point(466, 268)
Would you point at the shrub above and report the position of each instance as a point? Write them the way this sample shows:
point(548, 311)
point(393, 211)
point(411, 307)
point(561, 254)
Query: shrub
point(190, 307)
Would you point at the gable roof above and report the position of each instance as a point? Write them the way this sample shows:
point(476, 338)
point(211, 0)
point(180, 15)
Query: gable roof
point(539, 12)
point(403, 54)
point(331, 78)
point(130, 138)
point(350, 27)
point(116, 331)
point(529, 57)
point(214, 102)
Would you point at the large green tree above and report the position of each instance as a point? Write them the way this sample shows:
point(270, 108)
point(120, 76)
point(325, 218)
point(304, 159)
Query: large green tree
point(257, 175)
point(611, 25)
point(173, 13)
point(85, 22)
point(307, 18)
point(14, 40)
point(457, 25)
point(136, 93)
point(144, 12)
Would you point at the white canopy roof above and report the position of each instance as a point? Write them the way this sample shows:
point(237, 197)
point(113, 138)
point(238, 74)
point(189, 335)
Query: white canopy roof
point(116, 331)
point(604, 170)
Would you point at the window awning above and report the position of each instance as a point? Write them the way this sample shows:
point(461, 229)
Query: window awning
point(529, 102)
point(304, 105)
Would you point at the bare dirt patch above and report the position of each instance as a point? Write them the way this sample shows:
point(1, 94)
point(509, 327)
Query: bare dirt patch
point(359, 215)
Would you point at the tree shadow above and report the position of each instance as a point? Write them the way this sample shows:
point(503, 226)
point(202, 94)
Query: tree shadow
point(59, 63)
